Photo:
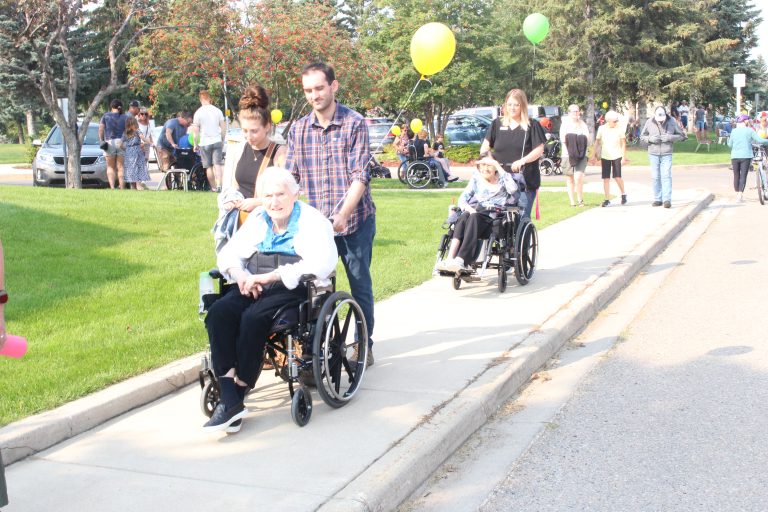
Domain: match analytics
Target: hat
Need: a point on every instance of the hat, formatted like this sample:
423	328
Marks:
134	103
742	118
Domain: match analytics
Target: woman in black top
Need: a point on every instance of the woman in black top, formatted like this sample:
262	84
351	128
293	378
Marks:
245	159
517	142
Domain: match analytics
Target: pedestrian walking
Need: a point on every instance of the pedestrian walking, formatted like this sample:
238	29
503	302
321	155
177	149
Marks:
611	149
136	172
741	140
111	129
145	131
517	142
684	111
328	153
210	141
659	133
575	137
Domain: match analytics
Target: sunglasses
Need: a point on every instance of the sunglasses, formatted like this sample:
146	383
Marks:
143	114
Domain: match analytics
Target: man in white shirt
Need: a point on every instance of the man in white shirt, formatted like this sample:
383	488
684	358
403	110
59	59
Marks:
210	140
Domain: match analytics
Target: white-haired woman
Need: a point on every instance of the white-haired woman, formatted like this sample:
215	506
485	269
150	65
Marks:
279	242
611	148
575	138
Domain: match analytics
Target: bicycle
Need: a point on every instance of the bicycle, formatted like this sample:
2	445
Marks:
758	164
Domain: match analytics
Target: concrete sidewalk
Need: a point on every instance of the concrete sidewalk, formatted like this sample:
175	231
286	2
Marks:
445	360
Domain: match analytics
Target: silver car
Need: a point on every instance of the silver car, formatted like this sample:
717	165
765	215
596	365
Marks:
48	164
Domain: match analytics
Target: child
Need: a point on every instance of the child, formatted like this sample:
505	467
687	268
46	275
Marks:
135	165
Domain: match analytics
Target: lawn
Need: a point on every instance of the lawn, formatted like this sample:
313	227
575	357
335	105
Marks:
13	154
684	153
104	283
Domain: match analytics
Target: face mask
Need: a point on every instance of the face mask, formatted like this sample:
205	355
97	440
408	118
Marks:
660	116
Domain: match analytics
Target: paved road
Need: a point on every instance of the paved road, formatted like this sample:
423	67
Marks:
674	418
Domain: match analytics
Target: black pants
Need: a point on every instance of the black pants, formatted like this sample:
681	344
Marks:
238	327
469	229
740	170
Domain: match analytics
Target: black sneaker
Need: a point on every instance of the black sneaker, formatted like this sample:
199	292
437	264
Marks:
234	428
656	203
606	203
667	204
223	417
624	199
452	179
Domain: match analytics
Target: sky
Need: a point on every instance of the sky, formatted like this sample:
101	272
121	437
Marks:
762	48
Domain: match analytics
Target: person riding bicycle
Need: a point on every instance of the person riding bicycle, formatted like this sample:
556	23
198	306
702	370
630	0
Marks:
741	140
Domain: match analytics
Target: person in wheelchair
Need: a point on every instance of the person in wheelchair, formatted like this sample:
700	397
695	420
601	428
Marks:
278	243
489	188
425	152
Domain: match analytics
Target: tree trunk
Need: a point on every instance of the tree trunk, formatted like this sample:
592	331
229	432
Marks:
31	131
20	127
74	148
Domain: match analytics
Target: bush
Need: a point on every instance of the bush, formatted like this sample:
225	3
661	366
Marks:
463	154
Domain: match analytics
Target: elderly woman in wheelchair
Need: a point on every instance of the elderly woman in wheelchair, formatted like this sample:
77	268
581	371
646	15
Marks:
488	212
267	258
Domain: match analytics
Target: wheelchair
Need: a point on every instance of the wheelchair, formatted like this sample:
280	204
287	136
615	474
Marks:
551	160
315	338
420	172
186	173
513	243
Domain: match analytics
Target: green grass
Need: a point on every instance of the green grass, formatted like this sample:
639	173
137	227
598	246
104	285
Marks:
684	154
13	154
395	184
104	283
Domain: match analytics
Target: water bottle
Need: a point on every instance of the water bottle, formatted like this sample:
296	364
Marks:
206	288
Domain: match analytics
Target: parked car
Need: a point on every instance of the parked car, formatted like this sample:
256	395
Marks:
379	135
551	112
463	129
48	164
489	112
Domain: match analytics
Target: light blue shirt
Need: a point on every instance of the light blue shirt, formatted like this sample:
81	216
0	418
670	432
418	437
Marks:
741	140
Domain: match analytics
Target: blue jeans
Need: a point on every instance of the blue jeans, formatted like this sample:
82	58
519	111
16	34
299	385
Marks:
526	201
356	251
661	177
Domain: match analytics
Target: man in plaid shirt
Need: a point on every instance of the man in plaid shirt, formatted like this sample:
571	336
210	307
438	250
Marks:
328	154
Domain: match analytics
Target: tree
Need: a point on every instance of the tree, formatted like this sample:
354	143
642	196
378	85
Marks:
44	40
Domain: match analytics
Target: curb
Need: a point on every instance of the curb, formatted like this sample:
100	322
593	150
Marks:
36	433
393	477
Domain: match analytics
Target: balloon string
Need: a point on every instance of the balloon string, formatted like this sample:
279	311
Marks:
533	72
402	109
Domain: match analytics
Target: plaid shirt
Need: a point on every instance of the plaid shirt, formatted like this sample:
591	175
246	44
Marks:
325	162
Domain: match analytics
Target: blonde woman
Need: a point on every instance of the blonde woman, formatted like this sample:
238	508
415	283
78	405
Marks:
575	138
517	142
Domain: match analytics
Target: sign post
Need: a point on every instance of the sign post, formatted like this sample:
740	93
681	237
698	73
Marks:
739	81
64	106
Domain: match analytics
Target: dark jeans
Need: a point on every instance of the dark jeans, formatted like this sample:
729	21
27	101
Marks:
740	170
526	201
469	229
238	327
356	252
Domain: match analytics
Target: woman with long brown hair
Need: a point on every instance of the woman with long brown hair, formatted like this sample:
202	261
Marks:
256	152
517	142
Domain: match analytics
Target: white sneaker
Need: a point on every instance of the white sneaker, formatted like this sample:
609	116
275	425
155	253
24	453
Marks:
454	265
740	197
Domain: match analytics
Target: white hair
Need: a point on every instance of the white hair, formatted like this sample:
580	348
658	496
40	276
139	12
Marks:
612	115
276	176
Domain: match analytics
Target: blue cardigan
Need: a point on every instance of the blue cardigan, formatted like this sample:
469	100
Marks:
741	140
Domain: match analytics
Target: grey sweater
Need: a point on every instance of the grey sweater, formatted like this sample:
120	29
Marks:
660	136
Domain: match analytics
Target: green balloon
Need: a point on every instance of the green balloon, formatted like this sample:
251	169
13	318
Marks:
536	27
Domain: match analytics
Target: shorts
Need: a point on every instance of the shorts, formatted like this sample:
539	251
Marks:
212	155
581	166
165	158
701	125
609	165
684	120
113	148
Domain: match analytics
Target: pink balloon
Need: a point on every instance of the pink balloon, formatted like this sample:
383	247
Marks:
15	346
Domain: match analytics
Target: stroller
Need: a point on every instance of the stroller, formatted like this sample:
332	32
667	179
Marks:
551	160
377	170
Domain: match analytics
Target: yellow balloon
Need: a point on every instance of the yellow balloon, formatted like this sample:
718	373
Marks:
276	115
416	125
605	104
432	48
395	130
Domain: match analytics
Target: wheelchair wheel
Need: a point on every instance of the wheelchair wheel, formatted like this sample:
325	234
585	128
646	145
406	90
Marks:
301	406
418	175
337	367
456	283
209	397
547	167
198	179
401	172
172	182
527	251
